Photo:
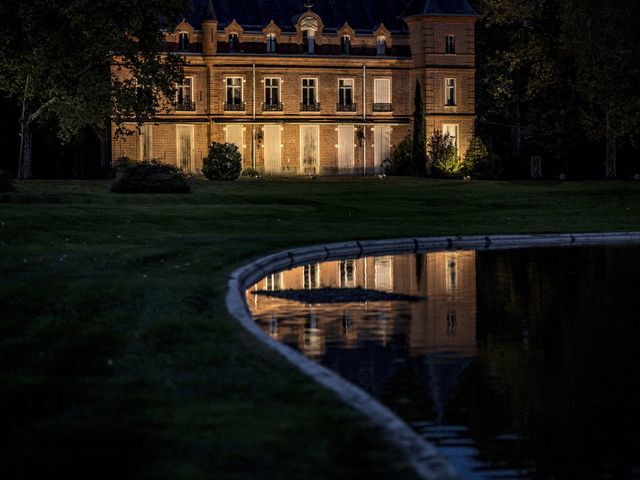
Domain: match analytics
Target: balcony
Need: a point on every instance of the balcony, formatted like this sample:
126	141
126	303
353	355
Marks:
310	107
382	107
272	107
235	106
185	106
346	107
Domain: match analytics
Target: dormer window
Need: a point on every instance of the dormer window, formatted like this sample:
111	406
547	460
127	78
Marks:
183	41
450	44
271	43
382	45
309	41
346	45
234	43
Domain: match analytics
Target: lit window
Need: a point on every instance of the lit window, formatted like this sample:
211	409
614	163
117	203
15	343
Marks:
382	45
311	276
309	40
272	92
450	131
450	91
346	45
271	42
347	273
273	282
183	41
234	90
450	44
184	95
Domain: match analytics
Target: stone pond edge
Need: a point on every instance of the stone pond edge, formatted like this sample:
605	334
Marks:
421	454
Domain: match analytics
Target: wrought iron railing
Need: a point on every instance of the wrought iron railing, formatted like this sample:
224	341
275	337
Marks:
235	106
346	107
272	107
310	107
382	107
185	106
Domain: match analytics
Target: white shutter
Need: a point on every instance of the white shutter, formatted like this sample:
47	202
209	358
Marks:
235	134
310	149
382	144
272	162
185	148
146	142
384	273
345	149
382	90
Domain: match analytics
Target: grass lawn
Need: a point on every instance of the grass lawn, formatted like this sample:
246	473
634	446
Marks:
118	359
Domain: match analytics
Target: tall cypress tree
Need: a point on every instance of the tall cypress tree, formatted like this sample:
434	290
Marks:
419	134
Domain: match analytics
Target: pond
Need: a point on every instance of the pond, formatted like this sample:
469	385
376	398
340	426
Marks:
515	363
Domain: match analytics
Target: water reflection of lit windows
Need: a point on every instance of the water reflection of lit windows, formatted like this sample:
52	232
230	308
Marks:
384	273
452	323
347	273
273	326
311	276
273	282
347	322
452	274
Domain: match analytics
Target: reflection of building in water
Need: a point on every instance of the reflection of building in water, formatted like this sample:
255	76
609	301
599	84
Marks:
444	322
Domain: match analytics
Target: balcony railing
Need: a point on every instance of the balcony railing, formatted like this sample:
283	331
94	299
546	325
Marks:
346	107
235	106
382	107
310	107
272	107
185	106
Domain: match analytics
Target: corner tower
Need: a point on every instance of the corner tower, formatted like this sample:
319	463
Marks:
442	37
209	30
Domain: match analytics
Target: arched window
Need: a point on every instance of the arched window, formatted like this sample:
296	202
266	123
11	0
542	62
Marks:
346	45
450	44
382	45
271	42
309	27
234	43
183	41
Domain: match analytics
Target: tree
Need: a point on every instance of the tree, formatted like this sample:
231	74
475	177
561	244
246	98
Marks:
84	63
605	45
419	134
441	154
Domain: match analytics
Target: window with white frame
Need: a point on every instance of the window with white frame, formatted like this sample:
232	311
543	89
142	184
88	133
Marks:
345	92
346	45
382	45
309	91
450	44
183	41
383	273
273	282
271	42
382	94
451	279
272	91
309	40
185	94
234	90
450	131
450	91
146	142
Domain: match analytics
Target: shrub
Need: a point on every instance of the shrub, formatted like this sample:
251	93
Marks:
122	163
401	162
6	182
251	172
479	162
151	177
441	155
223	162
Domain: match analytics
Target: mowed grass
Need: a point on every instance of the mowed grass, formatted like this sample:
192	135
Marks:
119	360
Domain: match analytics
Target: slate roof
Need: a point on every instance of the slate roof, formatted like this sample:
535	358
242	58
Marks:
364	15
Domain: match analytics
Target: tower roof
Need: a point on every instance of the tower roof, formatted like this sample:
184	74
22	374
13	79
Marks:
210	12
440	8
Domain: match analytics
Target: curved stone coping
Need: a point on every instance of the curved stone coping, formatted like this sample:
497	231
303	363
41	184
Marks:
422	455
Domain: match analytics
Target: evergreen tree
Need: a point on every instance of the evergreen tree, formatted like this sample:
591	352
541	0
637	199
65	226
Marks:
419	135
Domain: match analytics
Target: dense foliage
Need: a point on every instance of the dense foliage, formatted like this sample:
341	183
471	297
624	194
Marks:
442	158
151	177
6	182
223	162
56	60
479	162
401	162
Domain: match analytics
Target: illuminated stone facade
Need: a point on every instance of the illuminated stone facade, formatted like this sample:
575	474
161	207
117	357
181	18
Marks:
322	89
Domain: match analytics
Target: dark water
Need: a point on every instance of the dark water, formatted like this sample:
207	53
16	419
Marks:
517	364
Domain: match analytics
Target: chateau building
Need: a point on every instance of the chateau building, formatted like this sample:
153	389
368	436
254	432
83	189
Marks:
316	88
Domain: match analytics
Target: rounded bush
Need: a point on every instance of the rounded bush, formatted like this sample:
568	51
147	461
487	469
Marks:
151	177
223	162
